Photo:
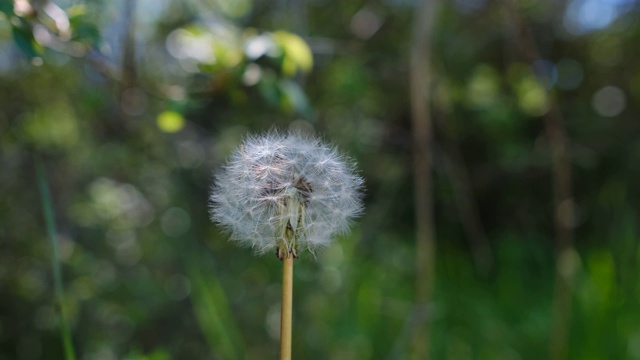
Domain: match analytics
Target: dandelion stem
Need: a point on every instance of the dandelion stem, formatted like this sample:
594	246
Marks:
287	305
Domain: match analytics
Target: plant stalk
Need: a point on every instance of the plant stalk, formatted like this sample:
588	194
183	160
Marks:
47	209
287	306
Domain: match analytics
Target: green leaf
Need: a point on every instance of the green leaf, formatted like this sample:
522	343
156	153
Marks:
297	54
268	88
83	30
24	40
6	7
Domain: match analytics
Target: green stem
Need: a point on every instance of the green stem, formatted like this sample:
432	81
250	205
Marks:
47	210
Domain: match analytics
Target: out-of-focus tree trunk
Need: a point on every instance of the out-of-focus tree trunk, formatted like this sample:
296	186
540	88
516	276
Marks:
563	203
420	89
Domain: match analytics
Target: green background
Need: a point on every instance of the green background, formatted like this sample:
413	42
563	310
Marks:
127	107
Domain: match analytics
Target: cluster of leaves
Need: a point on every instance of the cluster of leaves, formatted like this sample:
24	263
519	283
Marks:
241	60
39	25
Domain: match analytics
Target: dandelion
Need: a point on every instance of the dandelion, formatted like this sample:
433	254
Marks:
286	192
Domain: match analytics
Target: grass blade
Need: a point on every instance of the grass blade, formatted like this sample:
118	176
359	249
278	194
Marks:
47	210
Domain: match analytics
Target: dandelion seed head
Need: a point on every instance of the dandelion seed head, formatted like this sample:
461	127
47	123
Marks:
288	191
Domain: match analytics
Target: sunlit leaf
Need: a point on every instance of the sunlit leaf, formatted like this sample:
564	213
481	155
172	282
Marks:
297	54
170	121
209	48
228	55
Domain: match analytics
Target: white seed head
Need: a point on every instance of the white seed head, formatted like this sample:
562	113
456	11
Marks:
285	192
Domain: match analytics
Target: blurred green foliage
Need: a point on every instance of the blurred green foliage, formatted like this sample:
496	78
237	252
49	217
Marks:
132	113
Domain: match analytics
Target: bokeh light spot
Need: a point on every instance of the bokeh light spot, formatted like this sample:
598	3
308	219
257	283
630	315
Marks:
531	94
331	279
483	89
170	121
609	101
83	288
272	321
53	126
190	154
251	75
119	203
534	101
365	23
583	16
104	273
260	45
129	254
192	43
175	222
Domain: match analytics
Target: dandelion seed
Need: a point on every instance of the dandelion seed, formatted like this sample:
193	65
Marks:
286	193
